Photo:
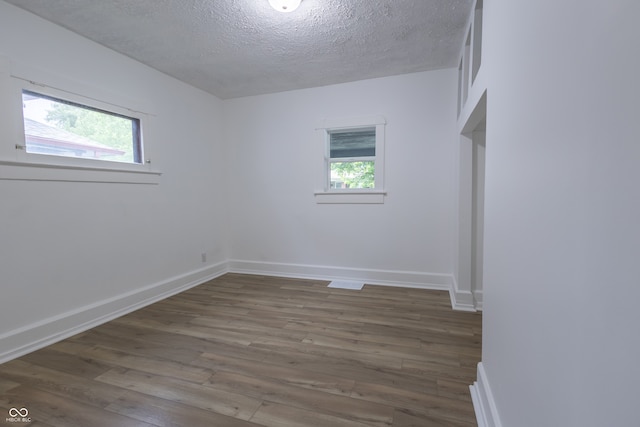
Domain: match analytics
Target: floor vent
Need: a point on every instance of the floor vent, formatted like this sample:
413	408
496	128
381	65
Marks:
343	284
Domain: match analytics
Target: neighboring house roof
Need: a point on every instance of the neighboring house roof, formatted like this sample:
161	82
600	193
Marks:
54	139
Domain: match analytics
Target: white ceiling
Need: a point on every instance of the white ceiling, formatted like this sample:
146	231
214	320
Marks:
234	48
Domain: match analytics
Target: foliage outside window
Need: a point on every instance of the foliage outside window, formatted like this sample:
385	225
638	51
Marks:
58	127
352	175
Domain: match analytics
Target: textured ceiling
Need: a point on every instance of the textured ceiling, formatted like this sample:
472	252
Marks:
234	48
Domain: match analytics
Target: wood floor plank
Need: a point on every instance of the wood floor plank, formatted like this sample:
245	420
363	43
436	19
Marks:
453	389
235	405
431	370
252	353
7	384
60	383
351	333
389	351
147	364
189	330
276	415
336	364
71	363
311	400
249	350
293	376
427	403
407	418
147	342
252	328
168	413
61	411
70	346
331	353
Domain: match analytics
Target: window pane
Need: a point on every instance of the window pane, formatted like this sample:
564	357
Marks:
352	174
62	128
353	143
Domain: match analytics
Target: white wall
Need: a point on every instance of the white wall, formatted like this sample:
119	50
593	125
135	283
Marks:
70	246
276	158
562	212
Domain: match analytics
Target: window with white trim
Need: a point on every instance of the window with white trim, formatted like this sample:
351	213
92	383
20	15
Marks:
68	131
354	160
59	127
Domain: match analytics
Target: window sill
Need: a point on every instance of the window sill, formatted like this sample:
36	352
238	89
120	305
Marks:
350	197
25	171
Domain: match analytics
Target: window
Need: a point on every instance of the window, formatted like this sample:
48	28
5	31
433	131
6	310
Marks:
352	158
354	161
58	127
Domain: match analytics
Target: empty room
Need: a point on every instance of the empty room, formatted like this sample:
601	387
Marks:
319	213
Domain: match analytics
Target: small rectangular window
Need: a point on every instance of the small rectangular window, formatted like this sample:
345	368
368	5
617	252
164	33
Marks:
58	127
352	158
353	169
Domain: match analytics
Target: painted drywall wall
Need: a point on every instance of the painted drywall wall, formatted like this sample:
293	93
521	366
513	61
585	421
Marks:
70	246
276	158
561	287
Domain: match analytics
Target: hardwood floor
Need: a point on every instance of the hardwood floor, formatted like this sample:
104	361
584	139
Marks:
244	351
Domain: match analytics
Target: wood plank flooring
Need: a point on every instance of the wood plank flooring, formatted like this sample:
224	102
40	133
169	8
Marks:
246	350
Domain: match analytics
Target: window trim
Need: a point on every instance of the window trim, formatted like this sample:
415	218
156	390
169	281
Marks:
136	133
17	164
328	195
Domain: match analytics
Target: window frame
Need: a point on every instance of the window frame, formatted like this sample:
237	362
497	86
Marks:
18	164
136	141
355	159
353	195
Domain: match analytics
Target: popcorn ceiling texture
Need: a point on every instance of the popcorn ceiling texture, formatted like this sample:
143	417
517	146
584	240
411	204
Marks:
235	48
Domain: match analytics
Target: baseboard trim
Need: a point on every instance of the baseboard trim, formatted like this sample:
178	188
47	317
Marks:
53	329
483	401
461	300
406	279
478	296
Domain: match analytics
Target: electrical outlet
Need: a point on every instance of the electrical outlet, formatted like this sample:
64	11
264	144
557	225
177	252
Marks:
204	257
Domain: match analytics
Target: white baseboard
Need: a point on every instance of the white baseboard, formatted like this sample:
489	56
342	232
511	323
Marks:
461	300
478	296
47	331
483	402
407	279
